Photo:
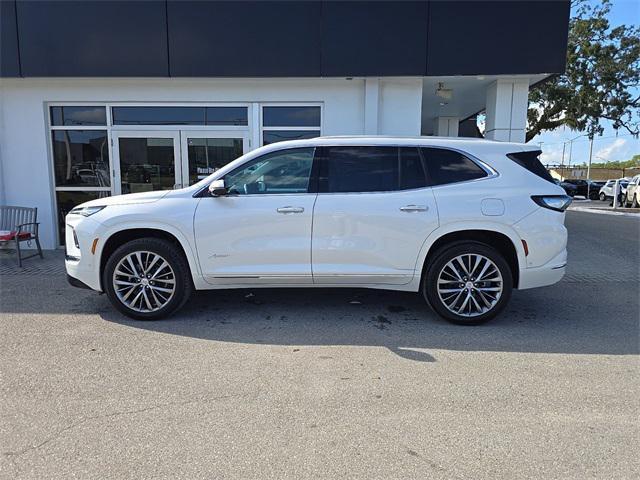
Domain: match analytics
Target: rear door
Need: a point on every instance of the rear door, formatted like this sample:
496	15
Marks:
372	215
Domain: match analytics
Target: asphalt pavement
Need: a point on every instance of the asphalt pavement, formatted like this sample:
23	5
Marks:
333	383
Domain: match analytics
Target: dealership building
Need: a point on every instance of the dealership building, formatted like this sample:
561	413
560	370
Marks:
103	98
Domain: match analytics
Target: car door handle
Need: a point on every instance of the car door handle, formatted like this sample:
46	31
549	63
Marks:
288	209
414	208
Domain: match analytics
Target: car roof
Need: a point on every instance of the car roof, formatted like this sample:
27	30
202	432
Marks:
461	143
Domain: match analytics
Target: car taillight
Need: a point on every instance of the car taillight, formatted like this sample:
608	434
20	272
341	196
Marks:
559	203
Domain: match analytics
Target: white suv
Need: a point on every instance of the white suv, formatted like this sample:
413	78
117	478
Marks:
462	221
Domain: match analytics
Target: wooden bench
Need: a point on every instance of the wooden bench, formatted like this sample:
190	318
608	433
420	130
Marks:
19	224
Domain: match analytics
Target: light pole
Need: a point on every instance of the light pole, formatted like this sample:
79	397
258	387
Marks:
571	146
589	169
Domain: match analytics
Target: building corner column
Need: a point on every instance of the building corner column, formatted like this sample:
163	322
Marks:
371	105
506	110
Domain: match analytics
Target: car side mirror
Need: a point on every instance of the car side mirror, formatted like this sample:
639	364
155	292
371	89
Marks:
217	188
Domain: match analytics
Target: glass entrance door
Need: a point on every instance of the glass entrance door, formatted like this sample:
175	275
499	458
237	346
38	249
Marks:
168	159
204	152
146	161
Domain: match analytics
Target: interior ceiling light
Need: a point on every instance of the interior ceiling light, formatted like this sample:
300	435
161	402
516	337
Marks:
444	93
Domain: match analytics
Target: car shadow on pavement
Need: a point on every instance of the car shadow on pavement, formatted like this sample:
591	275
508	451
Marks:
535	321
571	317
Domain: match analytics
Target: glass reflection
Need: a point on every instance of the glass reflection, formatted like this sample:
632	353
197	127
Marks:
67	200
81	158
146	164
206	155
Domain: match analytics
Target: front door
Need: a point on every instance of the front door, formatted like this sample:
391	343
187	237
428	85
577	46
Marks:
261	231
146	161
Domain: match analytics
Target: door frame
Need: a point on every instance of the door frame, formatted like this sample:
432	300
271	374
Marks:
185	134
117	134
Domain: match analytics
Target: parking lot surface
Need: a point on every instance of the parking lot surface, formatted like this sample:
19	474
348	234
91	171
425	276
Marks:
327	383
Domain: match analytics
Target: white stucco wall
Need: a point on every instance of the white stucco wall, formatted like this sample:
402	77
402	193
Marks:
25	170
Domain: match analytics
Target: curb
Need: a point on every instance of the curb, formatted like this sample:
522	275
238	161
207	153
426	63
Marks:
604	212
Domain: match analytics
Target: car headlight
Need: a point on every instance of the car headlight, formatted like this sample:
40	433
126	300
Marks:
86	211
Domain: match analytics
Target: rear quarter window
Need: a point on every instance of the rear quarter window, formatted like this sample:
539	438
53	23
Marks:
449	166
531	161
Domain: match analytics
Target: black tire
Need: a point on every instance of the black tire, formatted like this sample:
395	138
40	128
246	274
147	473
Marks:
634	203
438	262
603	197
172	255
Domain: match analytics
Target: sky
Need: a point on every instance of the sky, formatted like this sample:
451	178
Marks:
607	147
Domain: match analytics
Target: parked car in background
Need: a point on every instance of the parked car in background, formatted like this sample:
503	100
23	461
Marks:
569	188
632	195
586	188
461	221
607	189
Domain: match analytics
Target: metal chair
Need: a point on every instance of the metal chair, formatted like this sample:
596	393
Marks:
19	224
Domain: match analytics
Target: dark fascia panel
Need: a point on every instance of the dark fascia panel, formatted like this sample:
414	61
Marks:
498	37
9	58
244	38
362	38
93	38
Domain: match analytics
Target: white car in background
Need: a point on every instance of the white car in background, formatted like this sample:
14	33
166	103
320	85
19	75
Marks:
606	191
463	222
632	194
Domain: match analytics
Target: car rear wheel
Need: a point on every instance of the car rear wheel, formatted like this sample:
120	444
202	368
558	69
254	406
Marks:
634	203
147	279
467	283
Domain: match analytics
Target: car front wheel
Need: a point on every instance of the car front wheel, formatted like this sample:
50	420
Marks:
467	283
147	279
603	197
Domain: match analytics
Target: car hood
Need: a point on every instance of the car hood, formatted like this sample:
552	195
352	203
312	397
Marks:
131	198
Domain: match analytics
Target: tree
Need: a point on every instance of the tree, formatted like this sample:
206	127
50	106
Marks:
601	79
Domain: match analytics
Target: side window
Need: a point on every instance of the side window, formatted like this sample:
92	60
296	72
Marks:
285	171
412	173
362	169
448	166
355	169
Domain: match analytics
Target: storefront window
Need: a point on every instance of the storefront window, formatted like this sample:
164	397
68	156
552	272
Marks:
296	122
219	116
78	115
66	200
81	158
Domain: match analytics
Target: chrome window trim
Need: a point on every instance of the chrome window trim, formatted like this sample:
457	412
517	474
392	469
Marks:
488	169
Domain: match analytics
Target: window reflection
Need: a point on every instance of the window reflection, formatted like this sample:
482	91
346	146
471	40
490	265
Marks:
147	164
81	158
67	200
206	155
82	115
273	136
296	116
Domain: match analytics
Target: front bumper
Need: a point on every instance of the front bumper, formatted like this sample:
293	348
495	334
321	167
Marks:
81	264
76	283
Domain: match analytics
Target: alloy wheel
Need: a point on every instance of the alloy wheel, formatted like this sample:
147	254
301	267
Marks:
470	285
144	281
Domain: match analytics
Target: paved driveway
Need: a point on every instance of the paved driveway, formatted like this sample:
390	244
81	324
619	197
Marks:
333	383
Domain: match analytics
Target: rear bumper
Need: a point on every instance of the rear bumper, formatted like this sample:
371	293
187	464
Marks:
548	274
